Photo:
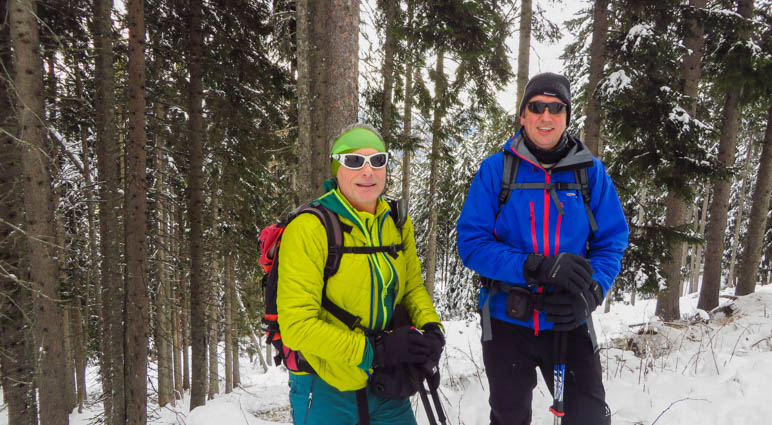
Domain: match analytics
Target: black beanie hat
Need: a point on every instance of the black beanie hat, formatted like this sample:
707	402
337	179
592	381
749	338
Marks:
548	84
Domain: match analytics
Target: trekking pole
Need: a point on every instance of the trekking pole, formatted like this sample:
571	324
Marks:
438	407
419	377
425	401
560	343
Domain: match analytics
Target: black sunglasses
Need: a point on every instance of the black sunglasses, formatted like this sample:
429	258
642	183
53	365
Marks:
554	107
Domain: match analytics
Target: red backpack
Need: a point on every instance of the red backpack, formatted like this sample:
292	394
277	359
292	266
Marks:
270	244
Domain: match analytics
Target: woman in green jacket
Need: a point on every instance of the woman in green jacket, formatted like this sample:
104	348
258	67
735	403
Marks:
368	286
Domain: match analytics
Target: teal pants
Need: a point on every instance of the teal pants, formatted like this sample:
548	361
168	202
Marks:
315	402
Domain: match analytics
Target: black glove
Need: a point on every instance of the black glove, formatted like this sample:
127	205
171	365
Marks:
567	271
568	311
431	370
403	345
433	333
434	380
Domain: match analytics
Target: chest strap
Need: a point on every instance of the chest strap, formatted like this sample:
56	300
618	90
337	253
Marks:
392	250
581	178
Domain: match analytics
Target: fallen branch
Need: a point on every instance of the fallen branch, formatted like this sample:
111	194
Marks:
760	341
673	404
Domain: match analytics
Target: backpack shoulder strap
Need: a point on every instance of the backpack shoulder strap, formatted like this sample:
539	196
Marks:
398	212
508	176
335	250
399	215
583	180
334	229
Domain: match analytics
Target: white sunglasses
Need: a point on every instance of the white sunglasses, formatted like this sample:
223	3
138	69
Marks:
355	161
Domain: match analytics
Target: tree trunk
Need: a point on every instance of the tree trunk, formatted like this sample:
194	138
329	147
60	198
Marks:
164	332
36	166
694	39
597	61
235	320
407	144
757	222
59	192
137	316
107	151
177	335
341	93
79	341
175	243
213	294
327	82
184	297
523	51
69	359
81	298
741	196
227	299
668	300
697	268
692	252
236	310
16	367
767	269
196	185
306	147
316	61
236	372
439	111
711	281
389	49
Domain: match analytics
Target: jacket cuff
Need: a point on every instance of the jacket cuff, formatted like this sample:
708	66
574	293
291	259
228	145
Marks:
434	327
530	268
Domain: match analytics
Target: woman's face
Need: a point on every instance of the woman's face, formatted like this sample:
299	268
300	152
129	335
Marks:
362	187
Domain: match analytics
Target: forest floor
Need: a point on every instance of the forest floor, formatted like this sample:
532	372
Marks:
703	370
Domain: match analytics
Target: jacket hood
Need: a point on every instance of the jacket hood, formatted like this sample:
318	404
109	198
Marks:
578	156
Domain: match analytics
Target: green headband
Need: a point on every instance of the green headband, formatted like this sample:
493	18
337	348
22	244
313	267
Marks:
353	140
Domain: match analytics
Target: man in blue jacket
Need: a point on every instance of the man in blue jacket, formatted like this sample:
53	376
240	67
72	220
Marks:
547	254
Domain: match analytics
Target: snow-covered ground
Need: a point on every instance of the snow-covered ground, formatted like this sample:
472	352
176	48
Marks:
709	372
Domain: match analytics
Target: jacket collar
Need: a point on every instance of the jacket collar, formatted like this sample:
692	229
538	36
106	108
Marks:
579	156
337	203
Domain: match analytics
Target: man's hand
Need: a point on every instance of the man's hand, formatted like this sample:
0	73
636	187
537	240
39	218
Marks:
567	271
568	311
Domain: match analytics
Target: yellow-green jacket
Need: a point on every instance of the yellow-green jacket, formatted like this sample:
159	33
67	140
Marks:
366	285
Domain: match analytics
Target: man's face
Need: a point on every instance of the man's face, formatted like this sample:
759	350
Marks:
544	129
362	187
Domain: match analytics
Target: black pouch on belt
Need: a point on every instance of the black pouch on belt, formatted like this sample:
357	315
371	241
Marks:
520	303
396	383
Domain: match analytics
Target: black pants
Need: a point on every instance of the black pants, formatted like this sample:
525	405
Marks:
511	359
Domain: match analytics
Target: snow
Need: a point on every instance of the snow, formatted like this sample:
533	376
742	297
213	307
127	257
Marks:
636	35
617	82
714	372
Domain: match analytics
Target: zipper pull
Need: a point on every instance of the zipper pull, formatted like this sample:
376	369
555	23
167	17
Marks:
310	398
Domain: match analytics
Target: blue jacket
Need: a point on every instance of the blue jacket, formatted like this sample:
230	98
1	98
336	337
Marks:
496	243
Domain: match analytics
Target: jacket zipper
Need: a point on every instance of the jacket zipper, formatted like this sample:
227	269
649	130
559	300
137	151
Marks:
547	217
533	231
557	232
310	399
380	281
